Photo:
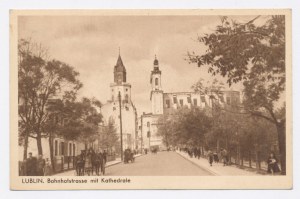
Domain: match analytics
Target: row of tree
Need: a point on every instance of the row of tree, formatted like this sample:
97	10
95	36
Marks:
48	105
252	53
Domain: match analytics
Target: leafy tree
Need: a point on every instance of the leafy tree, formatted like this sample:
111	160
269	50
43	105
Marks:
72	120
108	136
184	127
255	55
39	80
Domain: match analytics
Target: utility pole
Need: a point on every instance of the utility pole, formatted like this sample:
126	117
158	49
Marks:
121	134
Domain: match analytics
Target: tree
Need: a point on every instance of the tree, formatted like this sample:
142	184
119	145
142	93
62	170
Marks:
255	55
184	127
72	120
39	80
108	136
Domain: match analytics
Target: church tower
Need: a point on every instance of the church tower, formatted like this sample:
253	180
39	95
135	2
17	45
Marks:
120	84
119	71
156	95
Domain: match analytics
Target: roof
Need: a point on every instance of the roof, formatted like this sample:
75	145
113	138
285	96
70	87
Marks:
119	65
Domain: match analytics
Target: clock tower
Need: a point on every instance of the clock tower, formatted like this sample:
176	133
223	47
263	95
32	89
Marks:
120	85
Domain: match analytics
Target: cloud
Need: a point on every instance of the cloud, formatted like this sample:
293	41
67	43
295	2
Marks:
90	44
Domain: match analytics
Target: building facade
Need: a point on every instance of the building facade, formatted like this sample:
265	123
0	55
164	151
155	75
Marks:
166	103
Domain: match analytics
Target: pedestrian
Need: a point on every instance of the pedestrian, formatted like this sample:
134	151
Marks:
88	162
224	155
48	168
104	156
40	165
216	157
273	167
198	152
210	157
31	165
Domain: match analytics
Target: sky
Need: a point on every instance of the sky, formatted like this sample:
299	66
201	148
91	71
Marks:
91	45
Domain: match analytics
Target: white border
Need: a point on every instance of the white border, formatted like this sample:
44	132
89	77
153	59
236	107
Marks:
88	4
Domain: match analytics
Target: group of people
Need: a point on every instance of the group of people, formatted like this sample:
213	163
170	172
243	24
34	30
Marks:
90	161
129	155
214	156
35	166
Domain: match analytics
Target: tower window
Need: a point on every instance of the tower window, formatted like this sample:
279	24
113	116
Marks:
126	98
168	103
156	81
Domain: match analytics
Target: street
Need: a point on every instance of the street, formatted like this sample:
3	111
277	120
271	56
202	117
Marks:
160	164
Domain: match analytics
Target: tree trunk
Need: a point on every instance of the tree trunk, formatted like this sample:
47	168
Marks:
39	144
51	152
242	160
250	163
282	145
25	147
218	145
256	160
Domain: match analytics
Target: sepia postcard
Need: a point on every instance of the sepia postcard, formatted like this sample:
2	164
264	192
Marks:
150	99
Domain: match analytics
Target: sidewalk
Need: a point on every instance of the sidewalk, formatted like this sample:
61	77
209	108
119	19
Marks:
108	164
218	168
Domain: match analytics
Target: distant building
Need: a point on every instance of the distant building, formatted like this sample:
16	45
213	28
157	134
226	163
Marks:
165	103
112	108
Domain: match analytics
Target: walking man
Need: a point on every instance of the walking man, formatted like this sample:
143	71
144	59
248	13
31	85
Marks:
31	165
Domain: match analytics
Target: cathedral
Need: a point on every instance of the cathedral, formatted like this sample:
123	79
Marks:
121	92
164	103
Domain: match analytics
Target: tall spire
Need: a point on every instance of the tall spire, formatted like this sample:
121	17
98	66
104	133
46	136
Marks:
119	70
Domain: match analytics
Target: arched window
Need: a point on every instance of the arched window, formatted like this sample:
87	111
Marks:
156	81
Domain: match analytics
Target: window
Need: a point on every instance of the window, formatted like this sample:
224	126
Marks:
148	124
222	98
70	149
55	148
156	81
112	98
126	98
202	99
74	150
114	108
228	100
181	102
126	89
168	103
195	102
189	99
62	148
175	100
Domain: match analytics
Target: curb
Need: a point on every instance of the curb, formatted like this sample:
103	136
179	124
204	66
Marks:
208	170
